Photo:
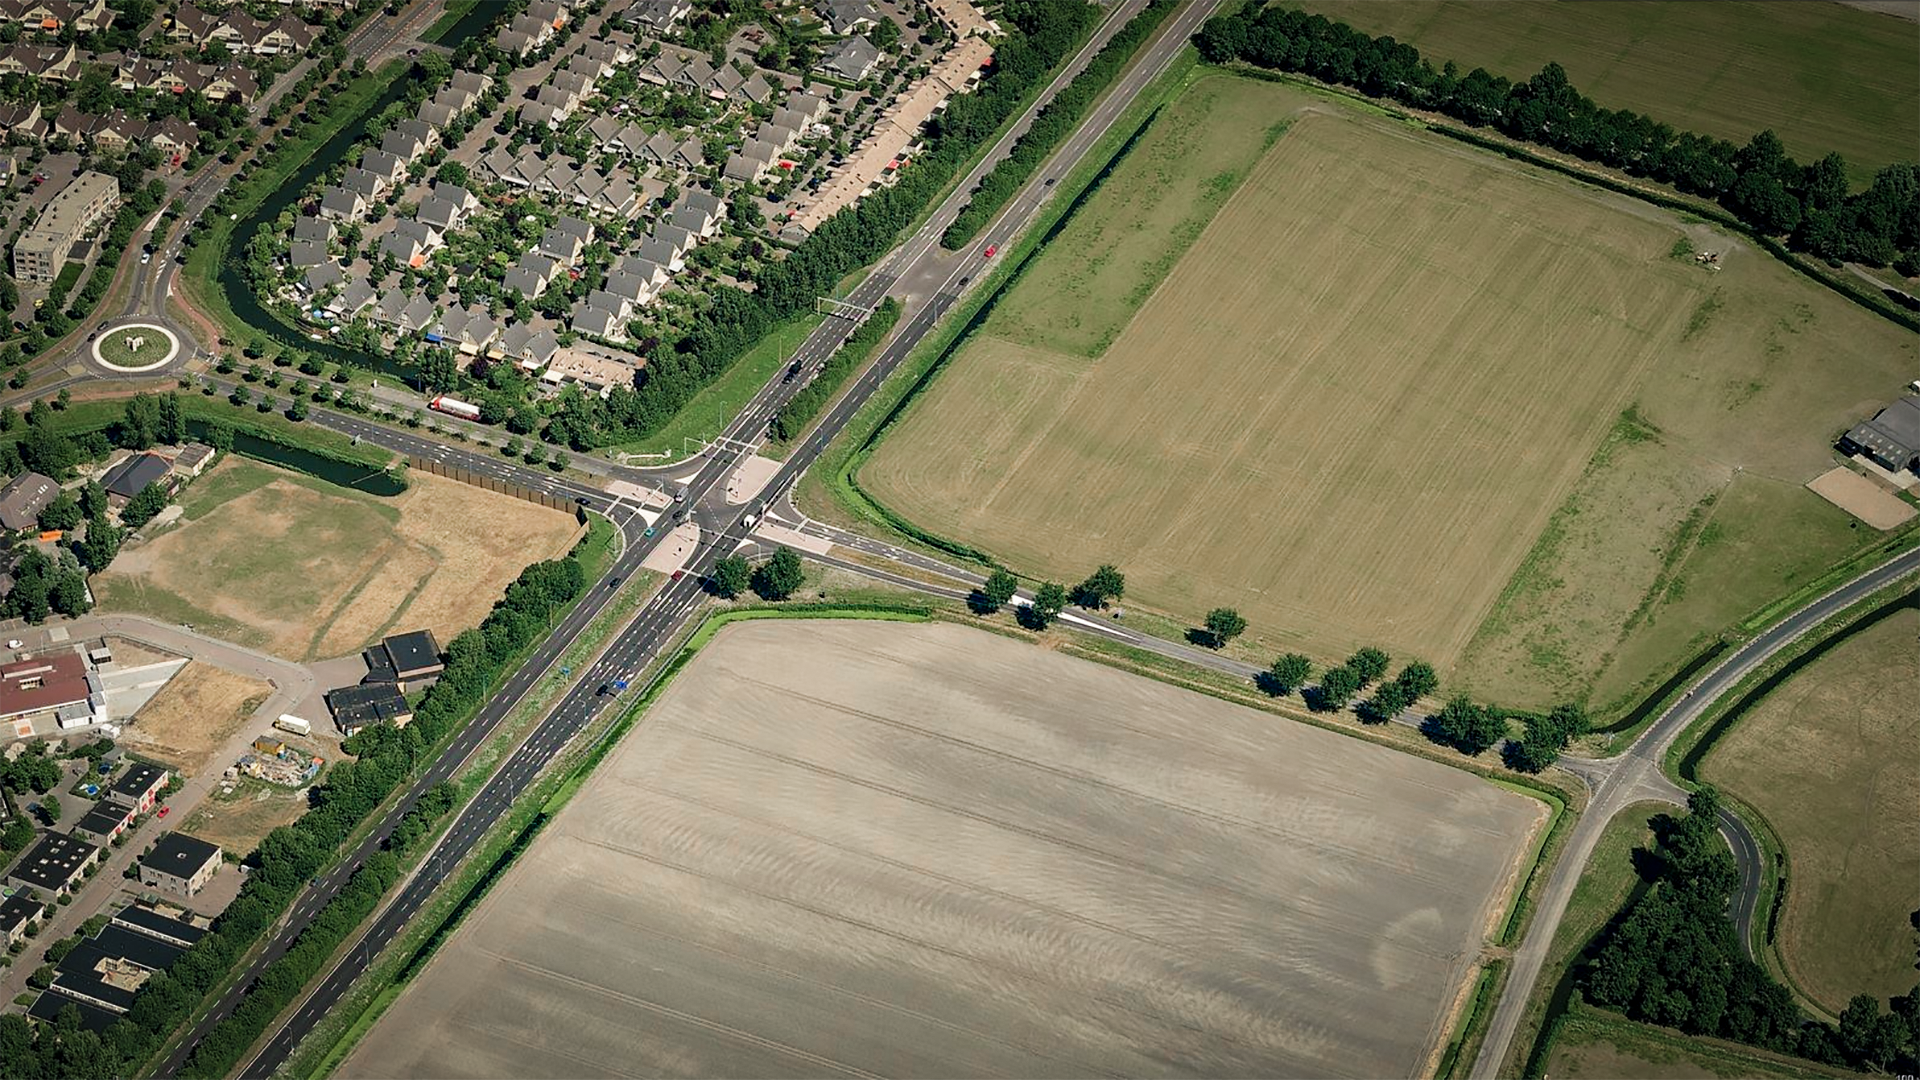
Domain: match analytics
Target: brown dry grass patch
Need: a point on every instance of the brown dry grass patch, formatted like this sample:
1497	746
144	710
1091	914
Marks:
193	715
238	822
307	570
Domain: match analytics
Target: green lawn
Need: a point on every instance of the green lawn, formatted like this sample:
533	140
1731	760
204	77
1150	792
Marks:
714	407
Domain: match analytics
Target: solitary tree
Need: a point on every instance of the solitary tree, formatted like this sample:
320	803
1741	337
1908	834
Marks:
731	576
780	576
1102	586
1223	625
992	596
1287	673
1048	601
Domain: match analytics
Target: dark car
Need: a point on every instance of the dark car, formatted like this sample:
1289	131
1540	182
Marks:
613	583
605	689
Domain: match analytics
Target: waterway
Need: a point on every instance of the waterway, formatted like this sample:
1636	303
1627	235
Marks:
347	474
232	278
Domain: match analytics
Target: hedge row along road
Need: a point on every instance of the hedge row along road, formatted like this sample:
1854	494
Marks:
927	282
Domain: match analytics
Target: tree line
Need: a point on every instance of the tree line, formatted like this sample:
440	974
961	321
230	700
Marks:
1052	124
291	855
804	405
1042	33
1759	182
1676	960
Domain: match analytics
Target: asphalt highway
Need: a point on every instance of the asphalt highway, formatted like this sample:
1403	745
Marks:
928	281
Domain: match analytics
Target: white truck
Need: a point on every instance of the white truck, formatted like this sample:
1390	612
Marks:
455	407
295	724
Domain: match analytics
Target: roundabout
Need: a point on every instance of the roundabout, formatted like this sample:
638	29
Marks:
135	348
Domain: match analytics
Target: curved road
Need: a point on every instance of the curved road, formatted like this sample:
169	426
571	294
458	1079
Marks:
1637	772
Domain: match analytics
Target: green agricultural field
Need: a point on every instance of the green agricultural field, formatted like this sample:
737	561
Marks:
1824	76
1379	340
1832	758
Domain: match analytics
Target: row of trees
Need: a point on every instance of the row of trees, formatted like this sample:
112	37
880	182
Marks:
1043	33
1676	960
803	406
291	855
1758	182
1051	125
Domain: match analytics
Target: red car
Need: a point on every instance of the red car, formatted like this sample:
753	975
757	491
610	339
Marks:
163	812
678	574
991	248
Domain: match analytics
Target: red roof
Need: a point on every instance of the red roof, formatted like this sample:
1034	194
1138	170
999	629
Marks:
44	682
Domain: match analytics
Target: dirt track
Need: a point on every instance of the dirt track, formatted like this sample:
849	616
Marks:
923	850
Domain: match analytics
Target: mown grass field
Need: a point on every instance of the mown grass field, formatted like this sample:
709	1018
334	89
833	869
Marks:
1823	76
1399	392
1832	758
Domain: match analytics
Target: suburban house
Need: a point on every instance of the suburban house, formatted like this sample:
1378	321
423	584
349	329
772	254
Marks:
139	787
845	17
530	276
24	497
853	60
179	864
340	204
53	867
531	349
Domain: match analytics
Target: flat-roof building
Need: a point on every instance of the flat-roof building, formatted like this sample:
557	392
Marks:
139	787
356	707
41	251
24	497
53	866
412	657
60	684
105	821
180	864
17	912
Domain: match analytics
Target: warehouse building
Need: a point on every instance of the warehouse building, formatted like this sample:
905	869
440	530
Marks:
357	707
412	660
62	686
1891	439
24	497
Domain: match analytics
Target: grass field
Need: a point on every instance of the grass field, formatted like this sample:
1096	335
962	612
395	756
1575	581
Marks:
193	715
239	820
1823	76
1832	758
847	846
1604	1047
307	570
1383	338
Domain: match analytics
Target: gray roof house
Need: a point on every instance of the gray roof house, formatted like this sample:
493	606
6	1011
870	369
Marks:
854	60
526	346
418	315
442	214
655	250
341	204
323	277
440	114
401	145
751	161
368	185
599	322
848	16
352	300
304	253
385	164
312	228
531	275
680	239
566	247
